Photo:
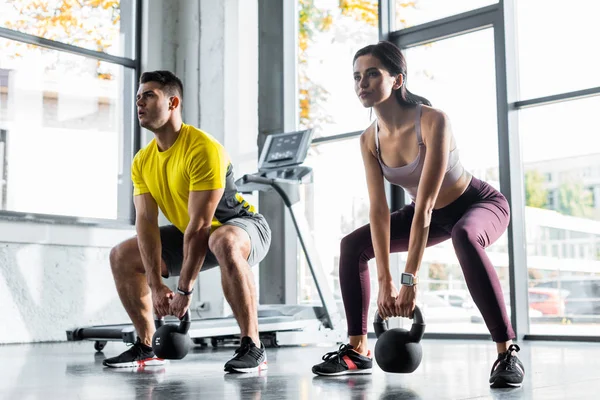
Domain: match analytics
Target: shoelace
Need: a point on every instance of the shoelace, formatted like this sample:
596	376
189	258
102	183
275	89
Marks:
508	358
245	349
344	348
136	348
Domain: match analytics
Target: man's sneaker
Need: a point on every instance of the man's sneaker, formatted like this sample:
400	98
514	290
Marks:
137	356
248	358
508	370
344	361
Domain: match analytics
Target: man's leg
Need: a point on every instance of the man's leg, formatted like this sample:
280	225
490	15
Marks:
231	246
130	279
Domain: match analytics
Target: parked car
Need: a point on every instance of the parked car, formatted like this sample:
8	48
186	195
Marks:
549	301
436	309
583	294
455	297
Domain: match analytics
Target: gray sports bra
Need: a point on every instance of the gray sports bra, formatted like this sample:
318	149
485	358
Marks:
408	176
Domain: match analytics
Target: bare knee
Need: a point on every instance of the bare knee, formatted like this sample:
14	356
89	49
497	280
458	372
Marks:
125	258
229	247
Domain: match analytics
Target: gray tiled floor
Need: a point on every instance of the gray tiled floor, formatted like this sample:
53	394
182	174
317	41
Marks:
450	370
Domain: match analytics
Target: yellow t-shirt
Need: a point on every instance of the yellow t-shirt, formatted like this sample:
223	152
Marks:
195	162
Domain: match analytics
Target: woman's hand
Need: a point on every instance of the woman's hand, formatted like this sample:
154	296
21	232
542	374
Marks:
406	301
386	299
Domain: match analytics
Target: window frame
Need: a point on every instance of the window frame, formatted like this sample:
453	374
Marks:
131	130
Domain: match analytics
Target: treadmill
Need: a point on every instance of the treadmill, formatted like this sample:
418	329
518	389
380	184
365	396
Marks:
280	169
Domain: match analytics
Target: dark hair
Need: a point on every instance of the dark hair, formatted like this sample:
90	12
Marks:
394	62
170	84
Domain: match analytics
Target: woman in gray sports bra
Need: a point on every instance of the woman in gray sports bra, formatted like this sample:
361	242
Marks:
410	144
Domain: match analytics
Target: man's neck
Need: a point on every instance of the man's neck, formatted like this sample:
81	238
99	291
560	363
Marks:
167	134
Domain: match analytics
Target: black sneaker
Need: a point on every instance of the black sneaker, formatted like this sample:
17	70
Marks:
138	355
508	370
248	358
344	361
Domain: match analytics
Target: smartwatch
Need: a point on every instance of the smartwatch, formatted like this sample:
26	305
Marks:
408	279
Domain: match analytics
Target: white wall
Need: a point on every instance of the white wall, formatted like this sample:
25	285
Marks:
55	277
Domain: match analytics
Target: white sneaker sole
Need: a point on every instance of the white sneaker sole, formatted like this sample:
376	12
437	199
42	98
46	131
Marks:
261	367
506	385
500	383
365	371
141	363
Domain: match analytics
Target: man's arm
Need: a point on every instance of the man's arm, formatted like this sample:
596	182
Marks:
201	209
146	225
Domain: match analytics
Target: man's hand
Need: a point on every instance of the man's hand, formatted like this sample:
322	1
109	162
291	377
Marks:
161	296
180	304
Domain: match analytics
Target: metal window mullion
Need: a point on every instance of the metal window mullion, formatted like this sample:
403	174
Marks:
445	28
385	14
556	98
510	168
59	46
136	139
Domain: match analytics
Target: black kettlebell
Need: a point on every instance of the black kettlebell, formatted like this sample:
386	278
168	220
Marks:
171	341
398	350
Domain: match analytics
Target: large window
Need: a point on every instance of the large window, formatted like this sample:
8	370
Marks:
408	13
337	203
101	25
330	33
458	76
66	119
557	47
465	65
465	89
563	235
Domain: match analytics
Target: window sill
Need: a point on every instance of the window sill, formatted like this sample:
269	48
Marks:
61	230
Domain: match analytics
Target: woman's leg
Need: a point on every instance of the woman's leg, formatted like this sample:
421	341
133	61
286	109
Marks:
356	250
481	225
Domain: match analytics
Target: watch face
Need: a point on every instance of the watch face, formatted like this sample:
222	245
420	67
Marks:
406	279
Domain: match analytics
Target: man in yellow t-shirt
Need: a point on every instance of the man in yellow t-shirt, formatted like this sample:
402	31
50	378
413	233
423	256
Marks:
188	175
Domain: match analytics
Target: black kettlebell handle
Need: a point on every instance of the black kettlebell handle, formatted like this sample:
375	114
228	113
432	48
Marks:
416	331
184	323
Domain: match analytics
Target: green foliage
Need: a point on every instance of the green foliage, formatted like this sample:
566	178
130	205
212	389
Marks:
535	194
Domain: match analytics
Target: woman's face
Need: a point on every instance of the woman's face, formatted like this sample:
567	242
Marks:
372	82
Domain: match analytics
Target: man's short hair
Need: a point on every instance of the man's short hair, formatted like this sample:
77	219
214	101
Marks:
170	83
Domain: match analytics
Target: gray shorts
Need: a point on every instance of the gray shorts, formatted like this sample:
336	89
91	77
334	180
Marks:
256	226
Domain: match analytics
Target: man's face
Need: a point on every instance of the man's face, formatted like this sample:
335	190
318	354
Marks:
154	107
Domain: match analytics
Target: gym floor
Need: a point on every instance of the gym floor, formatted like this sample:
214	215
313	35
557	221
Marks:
450	369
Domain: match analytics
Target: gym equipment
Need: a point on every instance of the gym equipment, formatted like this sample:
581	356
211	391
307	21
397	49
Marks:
280	169
171	341
398	350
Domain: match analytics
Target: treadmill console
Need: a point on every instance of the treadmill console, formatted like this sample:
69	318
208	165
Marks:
284	150
280	164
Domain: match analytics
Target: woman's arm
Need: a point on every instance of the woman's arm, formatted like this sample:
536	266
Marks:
379	212
437	138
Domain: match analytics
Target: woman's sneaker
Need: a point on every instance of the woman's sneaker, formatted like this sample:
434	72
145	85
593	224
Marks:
344	361
508	370
139	355
248	358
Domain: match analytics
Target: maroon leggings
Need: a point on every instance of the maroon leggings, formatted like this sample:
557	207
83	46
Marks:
473	221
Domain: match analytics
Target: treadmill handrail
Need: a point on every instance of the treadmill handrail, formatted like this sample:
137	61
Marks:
331	314
273	182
